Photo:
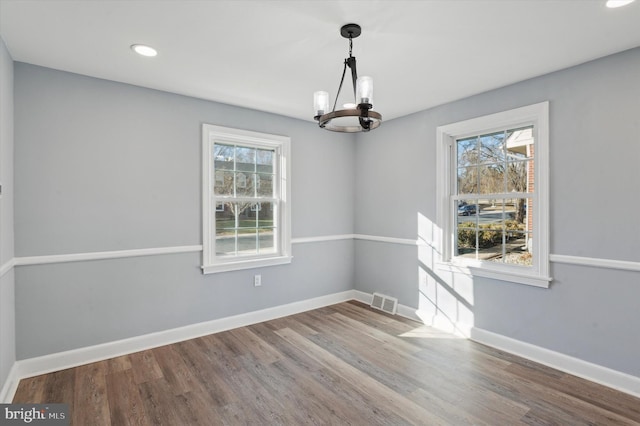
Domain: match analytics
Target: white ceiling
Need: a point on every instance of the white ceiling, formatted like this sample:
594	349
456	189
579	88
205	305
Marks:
272	55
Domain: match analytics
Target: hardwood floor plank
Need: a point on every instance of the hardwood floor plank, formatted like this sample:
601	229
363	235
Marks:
209	378
300	323
341	364
290	352
175	371
144	366
125	404
374	363
548	403
599	395
120	363
159	404
447	410
90	395
298	399
199	409
407	409
262	409
30	389
253	344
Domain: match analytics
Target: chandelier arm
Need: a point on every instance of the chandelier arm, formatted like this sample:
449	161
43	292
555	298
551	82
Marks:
344	71
351	62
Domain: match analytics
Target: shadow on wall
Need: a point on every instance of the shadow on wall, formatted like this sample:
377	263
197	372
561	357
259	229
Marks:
445	296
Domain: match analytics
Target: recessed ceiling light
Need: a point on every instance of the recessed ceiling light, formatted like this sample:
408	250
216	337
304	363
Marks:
618	3
143	50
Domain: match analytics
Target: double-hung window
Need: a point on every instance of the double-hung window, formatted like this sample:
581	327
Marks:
246	206
493	194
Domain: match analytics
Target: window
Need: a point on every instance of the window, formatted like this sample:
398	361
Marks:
493	195
246	210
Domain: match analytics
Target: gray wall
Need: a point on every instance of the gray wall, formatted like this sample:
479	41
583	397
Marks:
589	313
106	166
7	308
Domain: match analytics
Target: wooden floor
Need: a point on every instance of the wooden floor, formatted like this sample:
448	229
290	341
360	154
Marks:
343	364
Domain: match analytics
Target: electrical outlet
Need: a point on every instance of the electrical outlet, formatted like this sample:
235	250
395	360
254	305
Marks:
257	280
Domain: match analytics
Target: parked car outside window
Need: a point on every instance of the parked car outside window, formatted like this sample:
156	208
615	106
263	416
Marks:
467	210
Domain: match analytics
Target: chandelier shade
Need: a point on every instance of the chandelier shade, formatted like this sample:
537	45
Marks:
356	117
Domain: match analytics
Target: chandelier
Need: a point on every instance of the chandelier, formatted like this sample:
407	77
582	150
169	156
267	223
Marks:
356	117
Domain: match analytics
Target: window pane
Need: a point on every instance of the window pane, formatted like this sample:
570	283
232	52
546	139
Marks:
518	207
247	241
467	152
493	211
467	241
520	144
223	156
264	185
226	242
266	241
517	250
245	159
514	250
467	180
265	215
225	230
520	176
223	184
491	179
246	218
467	208
492	148
244	184
225	218
264	159
490	236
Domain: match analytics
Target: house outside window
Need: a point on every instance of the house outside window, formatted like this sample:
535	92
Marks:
493	189
246	209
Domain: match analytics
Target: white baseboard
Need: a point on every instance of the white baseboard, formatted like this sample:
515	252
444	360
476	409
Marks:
75	357
402	310
444	323
363	297
10	385
440	322
605	376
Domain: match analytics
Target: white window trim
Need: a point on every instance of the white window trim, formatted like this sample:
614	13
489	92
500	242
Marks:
282	144
536	115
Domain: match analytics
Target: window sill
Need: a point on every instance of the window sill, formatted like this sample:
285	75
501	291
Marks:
502	275
246	264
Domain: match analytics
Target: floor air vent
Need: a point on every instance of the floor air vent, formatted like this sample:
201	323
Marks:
384	303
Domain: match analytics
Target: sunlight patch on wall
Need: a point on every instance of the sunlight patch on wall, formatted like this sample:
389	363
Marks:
445	298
